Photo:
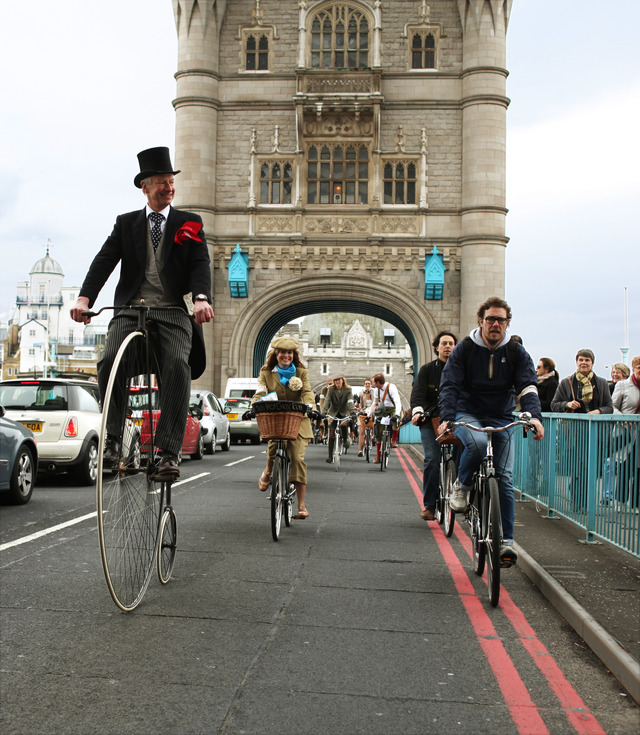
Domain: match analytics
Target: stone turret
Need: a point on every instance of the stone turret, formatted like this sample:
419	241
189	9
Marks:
197	102
484	103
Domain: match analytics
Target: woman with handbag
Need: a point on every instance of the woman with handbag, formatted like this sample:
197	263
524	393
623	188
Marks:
284	375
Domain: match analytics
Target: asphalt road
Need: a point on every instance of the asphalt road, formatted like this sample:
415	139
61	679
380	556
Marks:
361	619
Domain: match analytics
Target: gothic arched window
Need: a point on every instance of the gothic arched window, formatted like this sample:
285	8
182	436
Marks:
340	38
338	174
257	53
276	181
399	182
423	51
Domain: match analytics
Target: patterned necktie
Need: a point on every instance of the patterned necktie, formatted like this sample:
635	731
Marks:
156	231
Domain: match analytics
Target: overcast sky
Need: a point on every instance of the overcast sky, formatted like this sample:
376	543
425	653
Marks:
86	85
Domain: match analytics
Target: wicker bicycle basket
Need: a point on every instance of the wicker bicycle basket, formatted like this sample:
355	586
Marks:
279	419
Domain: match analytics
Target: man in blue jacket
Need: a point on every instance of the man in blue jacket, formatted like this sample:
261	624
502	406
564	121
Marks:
478	386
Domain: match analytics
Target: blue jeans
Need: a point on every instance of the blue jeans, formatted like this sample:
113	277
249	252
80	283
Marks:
475	450
431	472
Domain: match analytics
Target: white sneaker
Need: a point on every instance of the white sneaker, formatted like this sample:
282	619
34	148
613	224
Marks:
459	498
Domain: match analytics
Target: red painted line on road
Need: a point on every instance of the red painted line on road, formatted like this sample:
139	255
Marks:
523	710
578	714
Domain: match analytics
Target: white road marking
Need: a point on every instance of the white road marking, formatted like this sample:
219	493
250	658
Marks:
74	521
238	461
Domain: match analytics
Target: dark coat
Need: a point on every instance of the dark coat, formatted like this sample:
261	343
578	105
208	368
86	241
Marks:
424	394
570	388
546	391
185	267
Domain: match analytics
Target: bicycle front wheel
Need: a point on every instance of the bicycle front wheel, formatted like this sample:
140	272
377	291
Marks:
278	488
384	451
288	504
476	519
493	539
448	516
367	444
128	498
337	449
167	543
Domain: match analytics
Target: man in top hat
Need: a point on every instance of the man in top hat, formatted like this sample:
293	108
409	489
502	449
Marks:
163	258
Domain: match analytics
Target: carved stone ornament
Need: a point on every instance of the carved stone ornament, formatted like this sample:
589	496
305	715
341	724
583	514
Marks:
344	125
275	224
399	224
356	336
337	224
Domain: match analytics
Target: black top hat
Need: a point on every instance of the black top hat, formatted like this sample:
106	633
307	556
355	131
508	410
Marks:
153	161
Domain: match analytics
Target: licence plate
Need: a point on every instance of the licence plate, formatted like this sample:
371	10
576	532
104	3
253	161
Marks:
232	416
33	425
138	421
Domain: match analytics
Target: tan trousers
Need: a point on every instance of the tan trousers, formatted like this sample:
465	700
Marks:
296	449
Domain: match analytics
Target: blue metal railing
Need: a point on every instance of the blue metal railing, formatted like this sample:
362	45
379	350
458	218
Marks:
586	469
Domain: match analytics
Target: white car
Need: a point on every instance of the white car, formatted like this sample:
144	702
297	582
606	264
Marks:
214	422
64	416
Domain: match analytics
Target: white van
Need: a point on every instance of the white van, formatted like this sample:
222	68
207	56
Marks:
241	387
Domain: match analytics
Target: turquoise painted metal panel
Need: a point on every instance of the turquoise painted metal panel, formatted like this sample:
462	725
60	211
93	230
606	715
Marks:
586	469
434	275
409	434
239	274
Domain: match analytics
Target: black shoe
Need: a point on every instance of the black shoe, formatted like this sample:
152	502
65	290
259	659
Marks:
111	454
168	468
329	460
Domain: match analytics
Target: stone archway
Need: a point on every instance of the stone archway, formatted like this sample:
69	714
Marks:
261	318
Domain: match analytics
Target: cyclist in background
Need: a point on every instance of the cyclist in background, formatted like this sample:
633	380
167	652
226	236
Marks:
424	408
477	387
364	401
387	397
338	402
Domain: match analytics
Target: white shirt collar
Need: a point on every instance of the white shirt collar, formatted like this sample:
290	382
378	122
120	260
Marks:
164	212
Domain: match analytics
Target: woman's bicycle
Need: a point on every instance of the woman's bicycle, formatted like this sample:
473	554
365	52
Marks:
280	421
483	513
136	523
339	447
368	437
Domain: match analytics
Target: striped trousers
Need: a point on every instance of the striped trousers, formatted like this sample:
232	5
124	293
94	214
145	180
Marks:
170	334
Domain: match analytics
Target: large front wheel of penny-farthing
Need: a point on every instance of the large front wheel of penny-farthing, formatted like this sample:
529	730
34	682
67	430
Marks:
167	543
128	498
278	489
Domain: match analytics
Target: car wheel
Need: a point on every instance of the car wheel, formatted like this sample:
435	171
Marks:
199	453
255	440
210	448
23	476
87	471
226	444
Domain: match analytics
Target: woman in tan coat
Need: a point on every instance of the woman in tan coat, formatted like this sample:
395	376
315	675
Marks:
284	374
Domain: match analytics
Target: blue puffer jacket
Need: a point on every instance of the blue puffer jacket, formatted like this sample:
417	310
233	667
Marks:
485	385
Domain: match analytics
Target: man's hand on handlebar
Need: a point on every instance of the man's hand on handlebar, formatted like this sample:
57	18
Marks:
82	304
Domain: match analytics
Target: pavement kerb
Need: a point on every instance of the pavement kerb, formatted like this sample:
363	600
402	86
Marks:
617	660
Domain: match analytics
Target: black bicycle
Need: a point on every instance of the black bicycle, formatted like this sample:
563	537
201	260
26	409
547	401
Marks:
483	513
280	421
448	475
137	525
385	442
368	437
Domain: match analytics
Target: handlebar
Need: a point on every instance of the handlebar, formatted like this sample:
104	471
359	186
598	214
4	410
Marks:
524	420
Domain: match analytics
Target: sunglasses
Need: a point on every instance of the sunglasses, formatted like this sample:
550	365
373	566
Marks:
496	319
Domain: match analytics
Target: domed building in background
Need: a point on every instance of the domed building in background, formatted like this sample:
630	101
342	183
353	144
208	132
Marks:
42	339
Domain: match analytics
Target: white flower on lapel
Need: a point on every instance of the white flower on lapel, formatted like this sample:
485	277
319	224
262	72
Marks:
295	383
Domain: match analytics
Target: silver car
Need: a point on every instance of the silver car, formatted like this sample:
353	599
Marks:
214	422
241	429
18	460
64	416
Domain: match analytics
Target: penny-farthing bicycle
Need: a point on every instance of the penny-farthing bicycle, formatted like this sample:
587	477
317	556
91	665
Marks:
136	523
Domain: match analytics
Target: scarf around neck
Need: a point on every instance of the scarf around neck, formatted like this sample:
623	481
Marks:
286	373
587	387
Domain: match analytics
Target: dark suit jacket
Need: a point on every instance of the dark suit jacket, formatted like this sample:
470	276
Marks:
185	267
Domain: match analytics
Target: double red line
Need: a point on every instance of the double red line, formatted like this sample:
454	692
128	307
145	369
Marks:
524	712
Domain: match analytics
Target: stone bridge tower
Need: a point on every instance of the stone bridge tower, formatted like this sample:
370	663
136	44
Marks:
345	155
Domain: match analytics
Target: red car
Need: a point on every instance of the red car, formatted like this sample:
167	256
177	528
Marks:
193	441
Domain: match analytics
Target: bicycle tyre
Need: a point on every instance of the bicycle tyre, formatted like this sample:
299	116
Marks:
478	530
167	544
277	491
337	449
448	516
128	498
384	450
493	539
367	444
289	512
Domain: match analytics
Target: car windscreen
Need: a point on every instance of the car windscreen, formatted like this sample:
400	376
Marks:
36	394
